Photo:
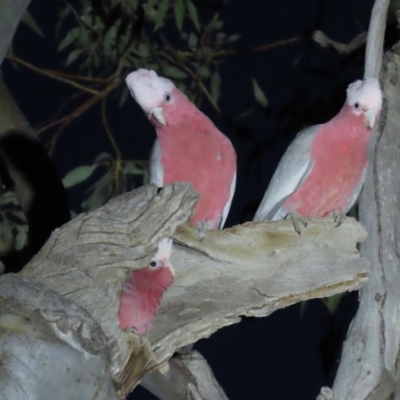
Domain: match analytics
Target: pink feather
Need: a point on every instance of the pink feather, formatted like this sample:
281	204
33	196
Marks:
143	290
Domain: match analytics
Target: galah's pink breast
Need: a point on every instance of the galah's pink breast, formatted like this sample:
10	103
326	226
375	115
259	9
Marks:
340	155
201	155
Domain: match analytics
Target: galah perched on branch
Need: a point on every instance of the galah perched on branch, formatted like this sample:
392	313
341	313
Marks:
142	291
323	170
189	147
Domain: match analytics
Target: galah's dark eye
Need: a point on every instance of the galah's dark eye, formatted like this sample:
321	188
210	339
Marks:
153	264
167	97
356	105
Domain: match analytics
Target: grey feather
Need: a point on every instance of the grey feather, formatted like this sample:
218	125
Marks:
228	204
156	169
292	170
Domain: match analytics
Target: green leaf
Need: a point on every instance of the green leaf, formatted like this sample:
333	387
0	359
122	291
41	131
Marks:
332	302
28	19
179	12
21	239
73	56
78	175
233	38
94	201
150	4
216	86
173	72
124	96
193	40
259	94
103	157
71	36
161	12
193	14
6	231
8	198
131	168
22	218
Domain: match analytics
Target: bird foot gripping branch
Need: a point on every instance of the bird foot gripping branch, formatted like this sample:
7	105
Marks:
298	222
324	167
189	147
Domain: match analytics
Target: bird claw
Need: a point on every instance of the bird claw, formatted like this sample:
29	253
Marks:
338	217
297	222
202	227
185	349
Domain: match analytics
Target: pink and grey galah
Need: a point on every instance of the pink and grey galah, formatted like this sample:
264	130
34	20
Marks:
143	290
189	148
323	169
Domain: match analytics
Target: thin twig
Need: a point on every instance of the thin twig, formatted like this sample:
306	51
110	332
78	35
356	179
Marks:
52	75
108	129
263	47
179	60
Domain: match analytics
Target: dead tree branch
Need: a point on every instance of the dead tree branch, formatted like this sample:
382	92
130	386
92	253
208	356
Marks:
252	269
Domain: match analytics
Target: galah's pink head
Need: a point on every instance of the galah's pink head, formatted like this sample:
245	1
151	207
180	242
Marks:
143	290
157	96
365	98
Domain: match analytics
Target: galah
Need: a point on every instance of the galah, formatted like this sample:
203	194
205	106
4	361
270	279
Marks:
189	148
143	290
323	169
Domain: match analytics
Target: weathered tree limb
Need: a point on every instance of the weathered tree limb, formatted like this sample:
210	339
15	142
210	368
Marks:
369	364
44	335
188	377
10	14
252	269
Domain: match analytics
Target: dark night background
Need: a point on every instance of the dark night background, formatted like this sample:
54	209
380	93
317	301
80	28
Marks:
288	355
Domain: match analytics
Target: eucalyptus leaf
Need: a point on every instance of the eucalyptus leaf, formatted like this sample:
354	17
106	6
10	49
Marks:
216	86
124	96
102	157
94	201
150	4
69	38
131	168
28	19
193	14
8	198
21	239
332	302
21	216
233	38
173	72
259	94
6	231
78	175
161	12
73	56
179	12
193	40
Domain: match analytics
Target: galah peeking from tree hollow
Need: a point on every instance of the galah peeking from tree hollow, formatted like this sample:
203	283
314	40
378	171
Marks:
189	148
143	290
323	169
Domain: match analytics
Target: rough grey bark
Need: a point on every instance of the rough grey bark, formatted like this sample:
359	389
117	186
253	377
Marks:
188	377
11	12
39	328
252	269
369	364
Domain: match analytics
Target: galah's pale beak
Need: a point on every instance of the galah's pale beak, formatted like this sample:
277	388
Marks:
172	269
370	117
158	115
